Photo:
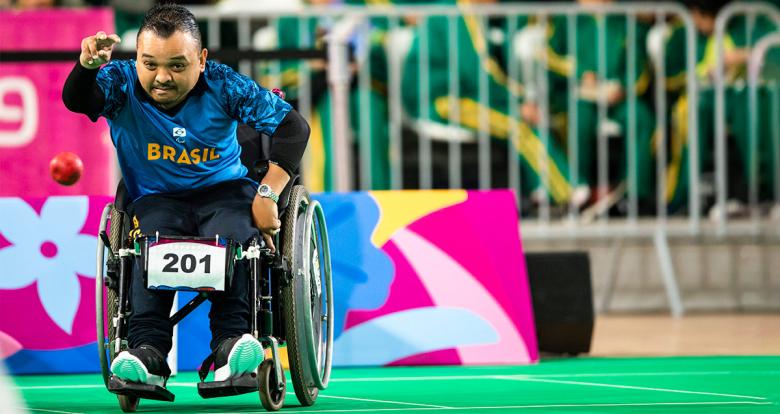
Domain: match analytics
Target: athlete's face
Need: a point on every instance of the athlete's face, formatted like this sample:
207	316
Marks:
168	68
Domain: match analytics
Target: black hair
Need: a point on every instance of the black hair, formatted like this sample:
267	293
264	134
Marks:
166	18
707	7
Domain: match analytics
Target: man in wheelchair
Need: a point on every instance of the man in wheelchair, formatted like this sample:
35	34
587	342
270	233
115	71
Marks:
173	117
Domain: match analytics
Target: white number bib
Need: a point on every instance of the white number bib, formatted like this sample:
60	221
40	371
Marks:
183	265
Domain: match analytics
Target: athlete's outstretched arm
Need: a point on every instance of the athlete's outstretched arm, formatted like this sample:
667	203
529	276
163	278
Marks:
81	92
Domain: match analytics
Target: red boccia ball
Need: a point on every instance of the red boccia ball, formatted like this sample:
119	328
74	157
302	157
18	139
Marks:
66	168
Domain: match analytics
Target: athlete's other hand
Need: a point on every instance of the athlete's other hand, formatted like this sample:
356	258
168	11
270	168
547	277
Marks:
265	214
96	50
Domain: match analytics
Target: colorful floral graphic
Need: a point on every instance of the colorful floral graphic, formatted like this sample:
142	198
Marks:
420	277
48	271
361	271
8	345
459	293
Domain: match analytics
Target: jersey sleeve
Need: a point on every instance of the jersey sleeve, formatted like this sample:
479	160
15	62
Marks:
113	82
253	105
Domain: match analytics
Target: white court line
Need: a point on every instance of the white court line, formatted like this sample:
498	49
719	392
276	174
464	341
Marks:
601	374
49	411
385	401
420	378
653	374
452	378
55	387
629	387
521	407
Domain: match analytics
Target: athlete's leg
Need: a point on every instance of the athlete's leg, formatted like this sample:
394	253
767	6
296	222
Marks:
149	321
149	327
226	210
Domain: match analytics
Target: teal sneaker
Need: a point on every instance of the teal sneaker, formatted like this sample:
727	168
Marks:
145	365
237	356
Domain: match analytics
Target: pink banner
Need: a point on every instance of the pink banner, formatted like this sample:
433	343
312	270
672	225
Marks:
34	124
419	277
47	251
429	278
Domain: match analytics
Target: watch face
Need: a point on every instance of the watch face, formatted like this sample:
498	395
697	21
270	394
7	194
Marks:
263	190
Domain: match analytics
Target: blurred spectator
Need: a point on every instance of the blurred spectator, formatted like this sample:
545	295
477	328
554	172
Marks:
34	4
504	98
369	51
736	54
128	15
612	88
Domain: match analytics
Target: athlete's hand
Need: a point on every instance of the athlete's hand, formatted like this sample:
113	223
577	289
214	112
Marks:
96	50
265	214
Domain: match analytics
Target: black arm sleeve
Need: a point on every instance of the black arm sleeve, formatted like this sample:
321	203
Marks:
289	142
82	94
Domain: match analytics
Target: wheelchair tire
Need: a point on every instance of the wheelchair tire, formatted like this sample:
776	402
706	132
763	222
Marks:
106	299
298	304
108	304
127	403
272	399
292	233
115	238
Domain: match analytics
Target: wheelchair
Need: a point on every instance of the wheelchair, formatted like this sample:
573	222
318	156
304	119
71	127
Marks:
292	291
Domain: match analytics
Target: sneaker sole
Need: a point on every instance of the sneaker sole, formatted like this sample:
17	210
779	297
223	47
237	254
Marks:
130	368
245	357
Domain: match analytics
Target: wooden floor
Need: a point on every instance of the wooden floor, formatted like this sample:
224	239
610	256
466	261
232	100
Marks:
707	334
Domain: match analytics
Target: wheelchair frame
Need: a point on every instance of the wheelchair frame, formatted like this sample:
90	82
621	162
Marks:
293	283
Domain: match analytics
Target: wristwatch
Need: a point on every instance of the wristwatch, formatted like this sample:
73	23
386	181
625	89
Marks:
265	191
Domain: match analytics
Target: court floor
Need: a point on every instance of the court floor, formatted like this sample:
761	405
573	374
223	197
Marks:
741	384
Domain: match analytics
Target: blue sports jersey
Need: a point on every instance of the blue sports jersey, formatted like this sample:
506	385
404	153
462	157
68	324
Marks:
194	147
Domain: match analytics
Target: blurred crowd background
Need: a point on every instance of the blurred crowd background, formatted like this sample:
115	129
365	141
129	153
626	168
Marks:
527	117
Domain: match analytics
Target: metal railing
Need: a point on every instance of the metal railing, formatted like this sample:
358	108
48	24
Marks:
755	64
545	222
550	222
751	11
567	226
341	172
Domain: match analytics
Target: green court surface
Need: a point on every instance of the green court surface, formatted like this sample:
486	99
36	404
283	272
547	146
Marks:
577	385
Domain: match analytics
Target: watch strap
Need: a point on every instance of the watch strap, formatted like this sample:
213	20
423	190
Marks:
265	191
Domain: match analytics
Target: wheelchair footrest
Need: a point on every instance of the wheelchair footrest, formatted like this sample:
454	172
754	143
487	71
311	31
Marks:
133	389
244	384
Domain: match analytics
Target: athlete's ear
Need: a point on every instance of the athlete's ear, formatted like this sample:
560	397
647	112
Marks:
203	54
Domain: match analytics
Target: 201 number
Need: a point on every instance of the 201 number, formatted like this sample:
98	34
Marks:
188	263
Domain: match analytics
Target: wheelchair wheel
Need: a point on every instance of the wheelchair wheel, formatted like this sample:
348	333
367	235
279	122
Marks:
112	302
106	299
307	300
108	305
271	398
127	403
